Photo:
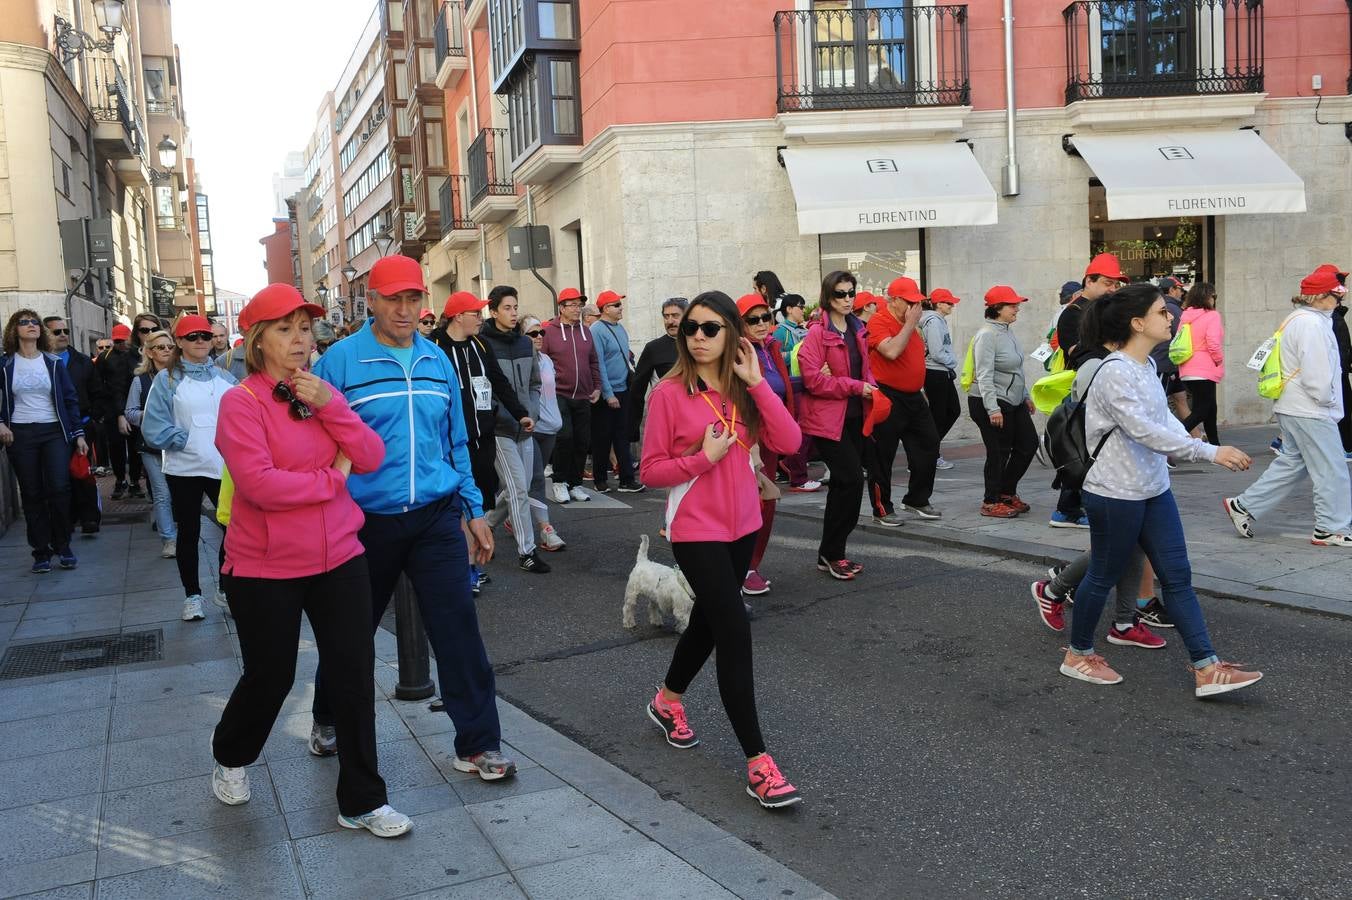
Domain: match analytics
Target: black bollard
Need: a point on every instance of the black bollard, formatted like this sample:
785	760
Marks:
415	682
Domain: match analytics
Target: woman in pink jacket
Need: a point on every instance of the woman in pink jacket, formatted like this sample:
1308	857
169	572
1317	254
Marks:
290	441
703	418
837	383
1206	367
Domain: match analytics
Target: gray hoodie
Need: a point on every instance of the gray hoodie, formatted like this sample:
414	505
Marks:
997	367
938	342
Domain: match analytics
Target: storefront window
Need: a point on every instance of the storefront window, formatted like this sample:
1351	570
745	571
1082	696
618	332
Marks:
1148	249
875	258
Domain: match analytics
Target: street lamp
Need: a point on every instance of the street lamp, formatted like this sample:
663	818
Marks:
323	293
384	238
72	42
349	273
168	155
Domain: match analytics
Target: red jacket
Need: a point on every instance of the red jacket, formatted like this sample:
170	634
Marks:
291	515
821	409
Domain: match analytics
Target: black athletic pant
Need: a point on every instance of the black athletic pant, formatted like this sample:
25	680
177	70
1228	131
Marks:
267	617
610	432
481	457
1202	397
40	456
1345	423
909	425
573	441
846	489
1009	450
185	495
945	407
119	456
718	621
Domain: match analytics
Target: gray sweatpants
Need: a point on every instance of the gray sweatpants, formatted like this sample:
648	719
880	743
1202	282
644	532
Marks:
1124	613
514	460
539	504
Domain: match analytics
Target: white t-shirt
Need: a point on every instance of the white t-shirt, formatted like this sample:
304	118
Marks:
32	391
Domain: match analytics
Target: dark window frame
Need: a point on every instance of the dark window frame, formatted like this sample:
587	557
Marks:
509	57
530	103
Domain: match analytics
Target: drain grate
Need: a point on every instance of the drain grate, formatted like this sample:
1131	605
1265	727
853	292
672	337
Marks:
55	657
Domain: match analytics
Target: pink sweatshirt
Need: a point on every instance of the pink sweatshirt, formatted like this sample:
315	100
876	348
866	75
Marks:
292	515
709	501
1208	345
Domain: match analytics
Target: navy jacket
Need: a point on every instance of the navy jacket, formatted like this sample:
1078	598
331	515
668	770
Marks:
64	398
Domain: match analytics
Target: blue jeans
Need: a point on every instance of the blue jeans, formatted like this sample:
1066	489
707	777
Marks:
1115	528
164	509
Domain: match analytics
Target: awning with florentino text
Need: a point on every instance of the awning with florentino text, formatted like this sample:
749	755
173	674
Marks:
1200	172
874	187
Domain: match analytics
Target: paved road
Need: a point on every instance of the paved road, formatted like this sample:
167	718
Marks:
920	711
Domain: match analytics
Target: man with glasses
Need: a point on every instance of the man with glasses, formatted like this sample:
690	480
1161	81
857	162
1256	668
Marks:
84	498
570	347
406	389
116	368
657	356
427	323
615	363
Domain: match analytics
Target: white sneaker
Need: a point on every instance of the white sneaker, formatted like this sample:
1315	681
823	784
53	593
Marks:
561	493
943	464
221	600
1326	539
549	470
231	786
579	494
168	549
550	540
384	821
1239	517
192	609
807	487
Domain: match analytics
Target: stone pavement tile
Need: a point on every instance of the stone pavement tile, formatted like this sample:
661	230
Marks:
498	887
99	622
182	652
151	760
177	631
69	892
747	872
67	695
7	630
48	844
423	721
616	873
411	802
183	807
146	607
47	734
123	850
270	873
51	776
88	582
529	780
73	606
307	781
13	612
665	821
291	734
176	681
444	848
441	748
157	718
548	826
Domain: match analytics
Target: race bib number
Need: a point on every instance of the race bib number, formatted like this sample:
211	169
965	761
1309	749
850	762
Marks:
1043	352
483	393
1260	355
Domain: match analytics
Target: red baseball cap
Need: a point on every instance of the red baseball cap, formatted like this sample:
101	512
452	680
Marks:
462	301
748	302
943	295
862	299
392	274
1105	264
878	411
425	312
274	302
571	294
121	332
1003	293
188	324
1323	280
904	288
606	298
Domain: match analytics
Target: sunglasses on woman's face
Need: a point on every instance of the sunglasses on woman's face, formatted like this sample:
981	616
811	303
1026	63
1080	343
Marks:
708	329
197	337
534	334
162	348
841	295
299	411
762	319
23	322
145	330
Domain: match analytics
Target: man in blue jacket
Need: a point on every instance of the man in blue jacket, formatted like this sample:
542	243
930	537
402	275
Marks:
405	388
610	412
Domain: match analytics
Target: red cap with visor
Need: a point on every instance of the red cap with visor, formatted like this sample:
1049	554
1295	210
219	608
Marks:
275	302
392	274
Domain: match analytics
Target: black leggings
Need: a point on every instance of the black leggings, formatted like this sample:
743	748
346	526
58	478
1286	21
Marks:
715	571
943	400
1202	396
1009	450
845	491
185	494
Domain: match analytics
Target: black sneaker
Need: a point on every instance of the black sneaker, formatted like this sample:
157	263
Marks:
42	566
532	562
136	492
632	487
600	488
119	490
1155	615
89	528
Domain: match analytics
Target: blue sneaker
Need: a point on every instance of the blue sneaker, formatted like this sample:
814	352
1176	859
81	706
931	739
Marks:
42	566
68	560
1276	445
1061	520
1348	456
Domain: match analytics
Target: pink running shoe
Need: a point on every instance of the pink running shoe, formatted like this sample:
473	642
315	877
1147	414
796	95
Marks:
764	782
754	584
670	717
1135	636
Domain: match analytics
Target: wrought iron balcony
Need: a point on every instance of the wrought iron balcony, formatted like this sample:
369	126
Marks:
490	172
871	58
113	103
449	33
454	208
1163	48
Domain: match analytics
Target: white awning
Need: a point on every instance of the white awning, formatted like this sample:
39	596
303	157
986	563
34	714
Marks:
1190	173
872	187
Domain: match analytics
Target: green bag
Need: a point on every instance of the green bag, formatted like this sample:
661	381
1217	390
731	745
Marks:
968	366
795	370
1180	348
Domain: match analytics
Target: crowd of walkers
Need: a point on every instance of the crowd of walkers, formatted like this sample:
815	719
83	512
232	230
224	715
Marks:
338	464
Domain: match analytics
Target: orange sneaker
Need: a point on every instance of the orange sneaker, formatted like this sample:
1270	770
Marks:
764	782
999	511
1014	501
1223	677
1089	667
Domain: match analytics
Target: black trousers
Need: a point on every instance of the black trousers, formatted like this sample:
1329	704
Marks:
719	622
267	617
1345	423
1009	450
845	490
41	459
481	456
911	426
573	441
610	432
1202	398
944	404
120	455
185	496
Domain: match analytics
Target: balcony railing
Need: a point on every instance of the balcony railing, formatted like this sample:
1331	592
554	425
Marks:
1163	48
1349	25
454	209
489	167
871	58
449	32
113	102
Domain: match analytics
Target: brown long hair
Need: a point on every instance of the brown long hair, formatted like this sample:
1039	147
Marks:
11	339
1201	295
686	373
829	290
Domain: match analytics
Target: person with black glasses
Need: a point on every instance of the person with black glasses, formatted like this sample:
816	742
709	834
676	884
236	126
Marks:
84	495
180	420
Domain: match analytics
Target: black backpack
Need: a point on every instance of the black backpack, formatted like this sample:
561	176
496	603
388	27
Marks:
1064	439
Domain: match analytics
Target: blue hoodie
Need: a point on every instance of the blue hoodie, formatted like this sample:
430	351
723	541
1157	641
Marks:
417	414
614	356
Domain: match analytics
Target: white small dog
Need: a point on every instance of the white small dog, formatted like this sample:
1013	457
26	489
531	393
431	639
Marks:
664	586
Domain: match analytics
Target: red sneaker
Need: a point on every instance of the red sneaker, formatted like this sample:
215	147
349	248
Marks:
764	782
841	569
999	511
754	584
670	717
1014	501
1135	636
1049	609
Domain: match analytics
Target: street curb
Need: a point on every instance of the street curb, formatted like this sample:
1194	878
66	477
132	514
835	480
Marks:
1038	553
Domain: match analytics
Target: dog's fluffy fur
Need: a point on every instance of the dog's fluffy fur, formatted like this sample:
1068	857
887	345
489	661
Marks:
665	588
